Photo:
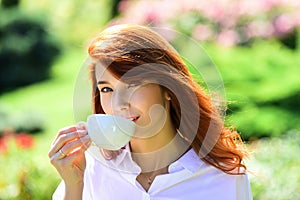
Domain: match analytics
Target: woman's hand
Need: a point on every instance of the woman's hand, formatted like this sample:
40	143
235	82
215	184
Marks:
67	154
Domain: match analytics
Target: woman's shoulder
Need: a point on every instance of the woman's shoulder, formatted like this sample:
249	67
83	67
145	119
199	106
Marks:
192	161
203	175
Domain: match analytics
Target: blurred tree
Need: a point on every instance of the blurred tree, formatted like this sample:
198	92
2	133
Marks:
9	3
115	8
26	50
290	40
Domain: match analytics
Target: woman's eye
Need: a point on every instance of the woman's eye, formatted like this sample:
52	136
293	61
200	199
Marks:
106	90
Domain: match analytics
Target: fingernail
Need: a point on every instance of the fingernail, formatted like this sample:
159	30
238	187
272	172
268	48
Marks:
82	133
81	125
85	138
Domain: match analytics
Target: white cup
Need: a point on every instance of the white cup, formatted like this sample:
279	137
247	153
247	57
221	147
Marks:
109	132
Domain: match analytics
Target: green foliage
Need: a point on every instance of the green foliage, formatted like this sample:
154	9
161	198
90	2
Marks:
72	22
261	82
28	174
274	167
25	173
262	85
33	176
9	3
29	121
49	103
26	50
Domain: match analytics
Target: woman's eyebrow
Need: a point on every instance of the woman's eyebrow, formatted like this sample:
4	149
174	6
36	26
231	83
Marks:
102	82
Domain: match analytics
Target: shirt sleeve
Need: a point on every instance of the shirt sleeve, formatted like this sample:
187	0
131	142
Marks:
243	189
59	193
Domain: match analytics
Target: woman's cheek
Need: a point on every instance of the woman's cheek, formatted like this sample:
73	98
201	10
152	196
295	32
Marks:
106	105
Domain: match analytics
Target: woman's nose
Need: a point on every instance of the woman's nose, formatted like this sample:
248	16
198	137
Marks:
120	100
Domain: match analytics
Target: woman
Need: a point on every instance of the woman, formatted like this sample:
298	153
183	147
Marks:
180	149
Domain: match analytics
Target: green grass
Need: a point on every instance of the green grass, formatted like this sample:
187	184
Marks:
275	167
71	24
53	99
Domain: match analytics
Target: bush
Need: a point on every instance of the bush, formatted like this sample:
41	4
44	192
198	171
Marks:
263	86
26	173
26	50
275	171
29	121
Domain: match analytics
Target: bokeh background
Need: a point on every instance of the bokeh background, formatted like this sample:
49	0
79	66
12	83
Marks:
254	44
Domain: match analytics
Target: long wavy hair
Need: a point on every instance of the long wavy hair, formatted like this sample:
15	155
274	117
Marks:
122	48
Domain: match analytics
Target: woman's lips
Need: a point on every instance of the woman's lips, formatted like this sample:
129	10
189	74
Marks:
133	118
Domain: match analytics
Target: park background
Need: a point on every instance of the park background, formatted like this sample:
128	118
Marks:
254	44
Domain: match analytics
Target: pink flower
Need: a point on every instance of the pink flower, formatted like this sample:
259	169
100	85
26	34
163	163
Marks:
283	24
202	32
232	20
227	38
259	29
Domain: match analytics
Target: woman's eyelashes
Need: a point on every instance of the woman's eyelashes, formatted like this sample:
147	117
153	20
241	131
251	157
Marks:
106	90
133	85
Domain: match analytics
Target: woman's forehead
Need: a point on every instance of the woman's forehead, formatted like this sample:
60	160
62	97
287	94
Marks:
102	73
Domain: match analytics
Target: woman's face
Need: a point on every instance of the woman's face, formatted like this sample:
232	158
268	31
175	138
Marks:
142	102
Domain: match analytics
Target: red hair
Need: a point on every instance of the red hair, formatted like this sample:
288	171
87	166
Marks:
125	47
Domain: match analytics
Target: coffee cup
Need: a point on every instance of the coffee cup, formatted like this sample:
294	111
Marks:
108	131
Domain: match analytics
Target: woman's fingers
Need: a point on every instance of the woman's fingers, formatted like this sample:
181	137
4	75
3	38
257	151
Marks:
67	153
71	158
69	149
64	130
69	129
70	138
66	138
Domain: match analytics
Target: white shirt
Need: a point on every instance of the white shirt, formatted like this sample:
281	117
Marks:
188	178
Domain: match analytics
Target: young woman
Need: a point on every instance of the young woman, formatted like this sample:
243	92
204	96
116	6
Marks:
180	148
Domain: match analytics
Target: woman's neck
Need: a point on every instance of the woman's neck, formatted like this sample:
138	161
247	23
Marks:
159	152
147	145
154	142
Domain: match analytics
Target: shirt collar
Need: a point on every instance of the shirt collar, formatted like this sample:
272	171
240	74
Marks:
189	161
124	162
